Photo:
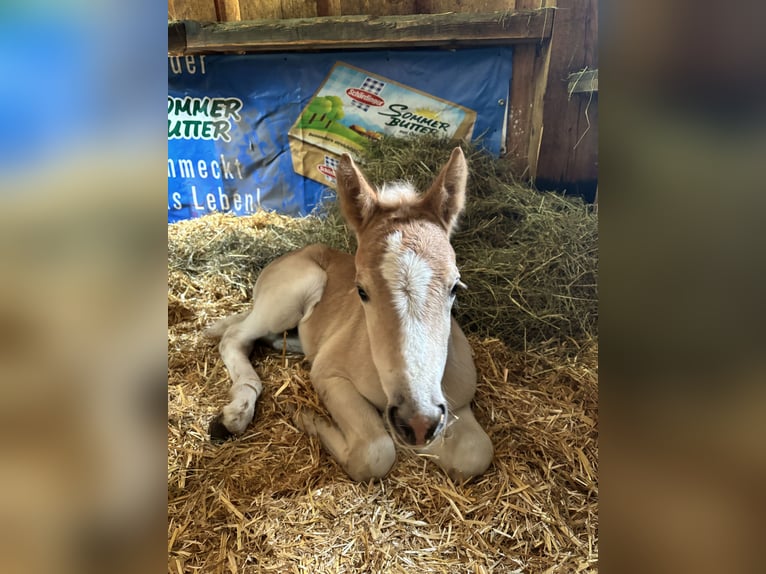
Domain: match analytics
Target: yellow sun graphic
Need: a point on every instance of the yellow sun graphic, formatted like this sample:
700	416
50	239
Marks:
427	113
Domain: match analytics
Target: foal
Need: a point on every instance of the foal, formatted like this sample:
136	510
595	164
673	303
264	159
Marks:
377	330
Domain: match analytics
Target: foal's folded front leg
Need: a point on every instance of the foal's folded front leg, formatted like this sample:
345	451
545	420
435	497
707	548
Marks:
246	386
355	436
464	450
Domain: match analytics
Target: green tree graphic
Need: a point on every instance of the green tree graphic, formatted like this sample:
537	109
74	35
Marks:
322	111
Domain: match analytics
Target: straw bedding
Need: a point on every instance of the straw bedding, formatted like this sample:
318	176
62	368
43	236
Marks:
274	501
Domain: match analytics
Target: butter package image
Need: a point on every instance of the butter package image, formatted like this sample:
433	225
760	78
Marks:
353	107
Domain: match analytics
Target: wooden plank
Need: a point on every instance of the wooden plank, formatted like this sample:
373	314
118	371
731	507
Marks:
176	37
378	7
569	147
202	10
360	32
525	117
585	81
299	9
328	8
536	123
228	10
282	9
441	6
257	9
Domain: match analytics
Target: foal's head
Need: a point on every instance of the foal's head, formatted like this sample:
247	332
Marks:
407	280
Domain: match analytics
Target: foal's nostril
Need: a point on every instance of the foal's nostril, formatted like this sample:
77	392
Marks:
400	426
418	430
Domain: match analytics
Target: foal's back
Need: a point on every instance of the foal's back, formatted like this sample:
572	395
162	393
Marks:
334	336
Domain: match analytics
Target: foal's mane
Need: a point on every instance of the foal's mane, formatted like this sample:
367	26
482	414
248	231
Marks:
397	194
399	202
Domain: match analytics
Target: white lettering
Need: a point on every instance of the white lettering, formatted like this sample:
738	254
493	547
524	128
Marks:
179	64
218	169
186	168
226	168
223	199
175	64
194	199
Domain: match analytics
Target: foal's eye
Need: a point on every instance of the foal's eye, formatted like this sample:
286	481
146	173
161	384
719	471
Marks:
362	294
458	284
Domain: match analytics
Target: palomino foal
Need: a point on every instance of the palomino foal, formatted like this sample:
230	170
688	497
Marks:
377	330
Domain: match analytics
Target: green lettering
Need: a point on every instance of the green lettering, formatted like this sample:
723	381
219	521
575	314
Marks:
174	129
221	130
233	105
200	106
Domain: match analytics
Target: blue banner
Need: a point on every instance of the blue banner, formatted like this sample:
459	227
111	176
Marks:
264	131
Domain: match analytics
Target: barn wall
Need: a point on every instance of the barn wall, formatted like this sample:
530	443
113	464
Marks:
255	9
568	157
552	136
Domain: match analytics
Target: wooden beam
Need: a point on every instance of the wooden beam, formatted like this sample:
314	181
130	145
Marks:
227	10
192	10
361	32
530	78
583	82
176	37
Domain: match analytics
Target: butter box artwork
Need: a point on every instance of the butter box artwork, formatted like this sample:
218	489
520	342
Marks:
353	107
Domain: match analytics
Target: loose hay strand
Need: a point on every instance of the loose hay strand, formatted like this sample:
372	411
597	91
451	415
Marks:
274	501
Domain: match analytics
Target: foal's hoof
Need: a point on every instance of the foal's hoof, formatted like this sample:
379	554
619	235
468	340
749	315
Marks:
217	430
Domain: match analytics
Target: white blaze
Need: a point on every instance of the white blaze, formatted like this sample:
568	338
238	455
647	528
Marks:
408	277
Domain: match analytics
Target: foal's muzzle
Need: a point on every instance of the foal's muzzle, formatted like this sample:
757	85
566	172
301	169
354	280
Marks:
419	429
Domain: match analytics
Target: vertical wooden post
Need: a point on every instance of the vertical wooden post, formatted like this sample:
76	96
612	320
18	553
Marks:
328	8
228	10
299	9
202	10
525	120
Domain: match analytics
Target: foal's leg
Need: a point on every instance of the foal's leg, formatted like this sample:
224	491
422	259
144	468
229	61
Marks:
464	450
355	437
286	292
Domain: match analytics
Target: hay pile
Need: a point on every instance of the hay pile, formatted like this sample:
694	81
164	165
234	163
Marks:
530	259
274	501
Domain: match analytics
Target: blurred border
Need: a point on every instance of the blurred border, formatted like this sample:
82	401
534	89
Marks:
83	286
82	292
683	128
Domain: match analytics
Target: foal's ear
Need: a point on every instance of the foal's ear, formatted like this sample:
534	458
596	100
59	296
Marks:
446	197
357	197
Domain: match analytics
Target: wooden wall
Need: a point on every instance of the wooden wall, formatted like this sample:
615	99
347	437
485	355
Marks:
552	134
568	157
226	10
